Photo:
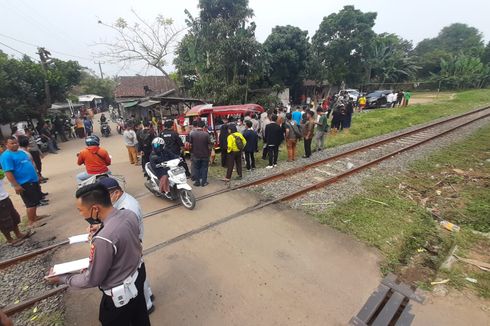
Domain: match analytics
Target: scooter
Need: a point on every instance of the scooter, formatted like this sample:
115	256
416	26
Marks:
43	146
120	126
179	189
105	129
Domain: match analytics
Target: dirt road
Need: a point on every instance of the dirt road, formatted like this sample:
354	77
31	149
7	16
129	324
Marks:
275	266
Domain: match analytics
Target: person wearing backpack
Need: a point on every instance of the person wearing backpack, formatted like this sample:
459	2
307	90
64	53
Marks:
274	135
321	129
235	145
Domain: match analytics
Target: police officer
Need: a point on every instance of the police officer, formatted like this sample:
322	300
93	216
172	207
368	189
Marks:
115	260
122	200
173	143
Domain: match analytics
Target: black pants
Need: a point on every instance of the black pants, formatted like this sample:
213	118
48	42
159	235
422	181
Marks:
223	157
250	160
234	158
265	152
132	314
307	147
36	157
145	158
273	154
184	165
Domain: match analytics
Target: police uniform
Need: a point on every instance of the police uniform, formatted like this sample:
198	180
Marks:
115	267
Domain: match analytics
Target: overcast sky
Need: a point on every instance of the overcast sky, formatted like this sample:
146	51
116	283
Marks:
69	28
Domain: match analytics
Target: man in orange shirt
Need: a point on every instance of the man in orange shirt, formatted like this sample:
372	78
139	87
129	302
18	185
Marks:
95	158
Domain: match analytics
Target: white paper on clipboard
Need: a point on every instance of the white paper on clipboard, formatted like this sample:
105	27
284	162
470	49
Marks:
70	267
78	238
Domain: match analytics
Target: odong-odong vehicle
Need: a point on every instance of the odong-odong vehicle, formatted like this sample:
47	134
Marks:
377	99
179	188
213	115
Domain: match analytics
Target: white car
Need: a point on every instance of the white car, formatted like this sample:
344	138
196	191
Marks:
353	94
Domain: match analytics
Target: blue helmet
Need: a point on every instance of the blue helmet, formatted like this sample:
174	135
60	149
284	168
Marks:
92	141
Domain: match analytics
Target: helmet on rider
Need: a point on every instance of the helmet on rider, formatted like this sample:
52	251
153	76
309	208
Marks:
158	144
92	141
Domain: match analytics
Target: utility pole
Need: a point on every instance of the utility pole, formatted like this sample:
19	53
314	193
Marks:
100	69
44	56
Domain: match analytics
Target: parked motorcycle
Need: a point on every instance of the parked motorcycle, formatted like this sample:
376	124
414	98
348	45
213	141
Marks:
43	146
105	129
179	189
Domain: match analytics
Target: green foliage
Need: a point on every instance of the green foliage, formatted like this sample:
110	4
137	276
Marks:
288	49
463	71
391	60
343	42
91	84
219	57
452	40
22	86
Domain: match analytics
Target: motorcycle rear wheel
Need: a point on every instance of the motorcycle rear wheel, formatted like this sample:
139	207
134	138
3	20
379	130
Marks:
187	198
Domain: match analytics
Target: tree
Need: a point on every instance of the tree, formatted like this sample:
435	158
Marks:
287	47
451	41
462	71
150	43
22	93
90	83
391	60
343	42
219	57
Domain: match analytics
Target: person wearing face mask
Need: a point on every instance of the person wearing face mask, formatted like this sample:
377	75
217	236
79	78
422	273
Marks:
115	264
123	200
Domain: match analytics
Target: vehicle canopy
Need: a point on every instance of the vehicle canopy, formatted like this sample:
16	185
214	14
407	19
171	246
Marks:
232	110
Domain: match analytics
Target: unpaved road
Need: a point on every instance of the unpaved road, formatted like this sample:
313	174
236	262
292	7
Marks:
275	266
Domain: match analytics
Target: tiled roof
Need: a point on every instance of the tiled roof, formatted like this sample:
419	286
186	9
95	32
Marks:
134	86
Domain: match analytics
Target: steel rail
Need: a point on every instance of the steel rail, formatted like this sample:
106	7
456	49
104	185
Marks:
15	308
301	192
28	303
283	174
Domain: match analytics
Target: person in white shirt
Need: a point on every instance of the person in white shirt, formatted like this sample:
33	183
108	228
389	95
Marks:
389	100
131	141
123	200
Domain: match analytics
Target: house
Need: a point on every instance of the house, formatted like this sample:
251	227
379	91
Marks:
133	94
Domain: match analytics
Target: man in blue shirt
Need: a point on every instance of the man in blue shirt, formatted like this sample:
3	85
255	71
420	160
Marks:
297	116
22	175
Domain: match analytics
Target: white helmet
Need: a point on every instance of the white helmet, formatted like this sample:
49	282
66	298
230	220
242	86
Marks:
158	144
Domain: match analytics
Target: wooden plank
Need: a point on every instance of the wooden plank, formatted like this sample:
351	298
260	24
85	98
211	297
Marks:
389	310
355	321
390	281
406	318
373	303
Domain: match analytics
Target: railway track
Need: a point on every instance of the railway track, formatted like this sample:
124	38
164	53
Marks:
333	169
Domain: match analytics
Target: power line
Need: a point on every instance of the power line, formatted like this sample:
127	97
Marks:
38	46
11	48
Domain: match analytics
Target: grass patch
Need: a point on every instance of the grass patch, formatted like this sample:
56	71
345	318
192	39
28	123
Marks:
382	121
396	215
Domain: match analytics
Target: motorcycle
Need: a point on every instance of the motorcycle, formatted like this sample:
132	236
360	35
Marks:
120	126
43	146
105	129
179	189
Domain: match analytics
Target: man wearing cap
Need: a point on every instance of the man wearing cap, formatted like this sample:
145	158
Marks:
114	260
123	200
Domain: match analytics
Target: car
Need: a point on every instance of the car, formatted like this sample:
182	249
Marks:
353	94
377	99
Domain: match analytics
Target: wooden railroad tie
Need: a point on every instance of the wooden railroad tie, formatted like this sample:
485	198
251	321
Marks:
388	305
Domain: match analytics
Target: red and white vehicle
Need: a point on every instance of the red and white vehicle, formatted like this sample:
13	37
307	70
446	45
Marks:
213	116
